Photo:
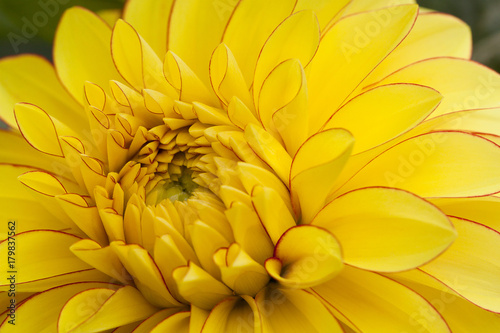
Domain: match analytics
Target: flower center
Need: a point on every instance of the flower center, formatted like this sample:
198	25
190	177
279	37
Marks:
178	187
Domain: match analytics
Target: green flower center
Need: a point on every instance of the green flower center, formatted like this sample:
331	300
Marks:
178	188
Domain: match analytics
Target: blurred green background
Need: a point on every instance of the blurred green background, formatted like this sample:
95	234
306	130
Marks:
27	26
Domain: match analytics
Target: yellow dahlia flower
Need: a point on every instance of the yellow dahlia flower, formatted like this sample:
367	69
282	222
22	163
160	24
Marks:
252	166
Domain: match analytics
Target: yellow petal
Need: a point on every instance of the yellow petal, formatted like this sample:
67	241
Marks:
315	167
186	82
18	84
43	183
272	212
38	129
294	310
297	37
249	232
36	217
239	271
226	77
136	60
197	320
292	120
368	302
471	266
150	19
245	38
206	240
147	276
44	261
398	230
474	121
178	322
234	315
210	115
325	10
15	197
200	288
240	114
429	166
195	30
252	176
102	258
317	260
461	315
282	103
341	62
147	325
482	210
433	35
269	150
370	5
29	318
91	51
464	84
383	113
15	150
111	308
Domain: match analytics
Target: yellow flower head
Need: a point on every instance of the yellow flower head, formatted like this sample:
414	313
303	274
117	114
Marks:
252	166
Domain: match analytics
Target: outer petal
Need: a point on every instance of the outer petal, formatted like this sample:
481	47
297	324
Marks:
344	59
429	166
38	128
386	229
290	311
464	84
434	35
471	266
371	5
383	113
482	210
31	319
195	30
368	302
282	104
136	60
44	261
108	309
18	84
15	150
226	78
90	51
150	18
325	10
15	198
245	38
461	315
298	37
